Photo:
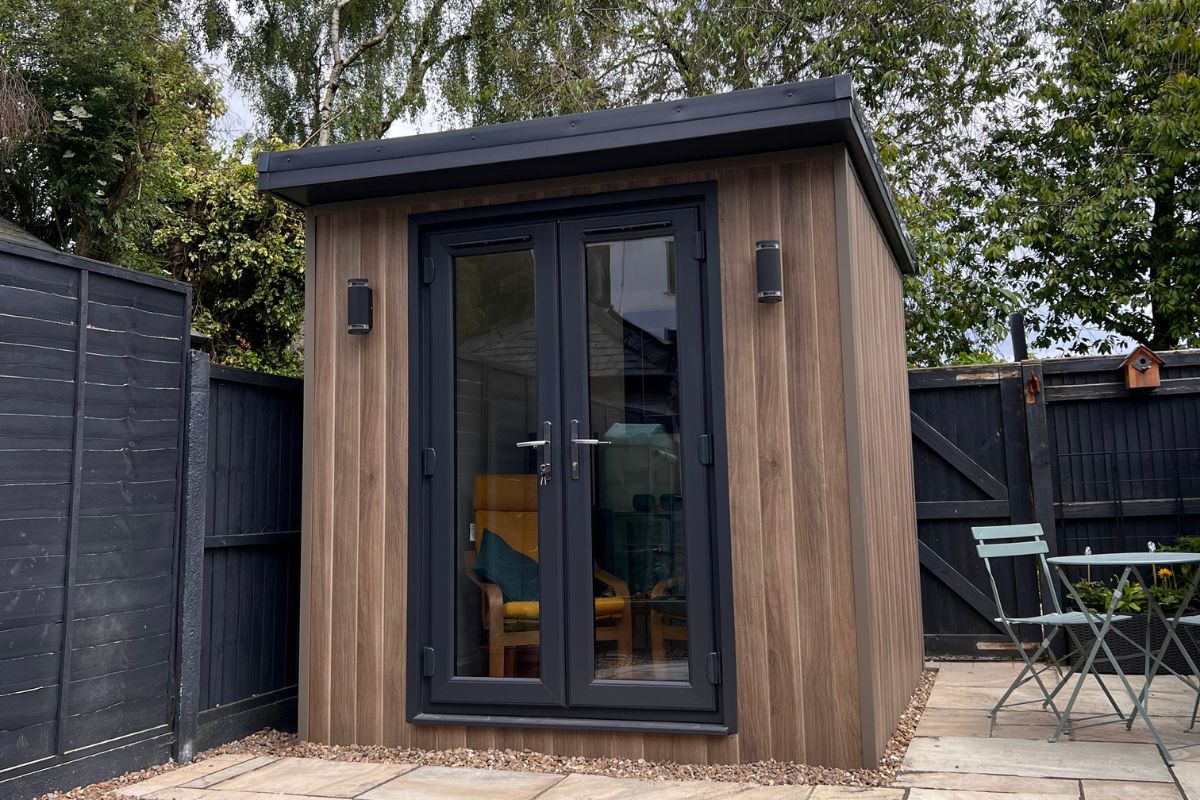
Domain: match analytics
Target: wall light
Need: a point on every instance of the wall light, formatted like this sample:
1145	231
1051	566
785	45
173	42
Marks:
770	271
359	308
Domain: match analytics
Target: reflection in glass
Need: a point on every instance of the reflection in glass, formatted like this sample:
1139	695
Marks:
637	515
498	596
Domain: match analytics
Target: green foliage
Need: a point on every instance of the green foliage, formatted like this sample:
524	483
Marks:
281	53
243	254
1097	596
926	74
125	170
1101	177
1094	594
115	87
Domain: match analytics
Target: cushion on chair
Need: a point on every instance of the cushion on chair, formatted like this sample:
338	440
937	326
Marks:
515	573
507	506
605	606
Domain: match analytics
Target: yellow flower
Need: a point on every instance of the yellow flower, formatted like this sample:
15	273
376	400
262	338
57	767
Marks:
1165	573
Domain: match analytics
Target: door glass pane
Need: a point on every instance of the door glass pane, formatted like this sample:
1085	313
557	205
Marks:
498	610
640	613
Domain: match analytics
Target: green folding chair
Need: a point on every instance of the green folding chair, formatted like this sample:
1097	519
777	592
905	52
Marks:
1022	541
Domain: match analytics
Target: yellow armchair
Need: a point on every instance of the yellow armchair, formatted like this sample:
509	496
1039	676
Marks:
507	506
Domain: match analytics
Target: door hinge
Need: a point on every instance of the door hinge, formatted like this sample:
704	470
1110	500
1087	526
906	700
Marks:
714	668
428	661
705	449
429	270
428	461
699	246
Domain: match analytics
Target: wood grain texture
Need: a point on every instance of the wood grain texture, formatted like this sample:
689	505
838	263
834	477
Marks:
879	447
798	685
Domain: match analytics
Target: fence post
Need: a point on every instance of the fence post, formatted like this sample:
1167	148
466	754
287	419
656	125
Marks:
1037	433
191	562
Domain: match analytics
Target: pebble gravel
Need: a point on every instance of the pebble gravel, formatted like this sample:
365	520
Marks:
768	773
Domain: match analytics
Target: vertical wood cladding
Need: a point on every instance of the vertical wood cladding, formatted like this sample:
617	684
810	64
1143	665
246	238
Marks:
793	561
883	511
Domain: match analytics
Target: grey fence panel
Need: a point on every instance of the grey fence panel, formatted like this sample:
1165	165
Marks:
1059	442
91	405
251	593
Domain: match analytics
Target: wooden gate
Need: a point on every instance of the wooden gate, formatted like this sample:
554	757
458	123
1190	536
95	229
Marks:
1062	443
972	457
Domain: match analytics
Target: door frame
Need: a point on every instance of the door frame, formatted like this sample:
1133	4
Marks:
583	688
443	247
419	707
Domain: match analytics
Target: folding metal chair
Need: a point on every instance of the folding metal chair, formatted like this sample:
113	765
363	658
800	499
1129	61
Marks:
1016	541
1192	621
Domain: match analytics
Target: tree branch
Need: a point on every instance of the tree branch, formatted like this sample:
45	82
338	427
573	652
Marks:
339	66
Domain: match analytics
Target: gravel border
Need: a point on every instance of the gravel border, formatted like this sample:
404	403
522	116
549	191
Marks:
767	773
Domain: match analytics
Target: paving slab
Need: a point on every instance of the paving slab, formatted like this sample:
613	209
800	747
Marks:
954	722
442	783
854	793
1187	773
774	793
315	777
961	794
233	771
184	793
979	782
1038	759
189	772
1173	737
1127	790
601	787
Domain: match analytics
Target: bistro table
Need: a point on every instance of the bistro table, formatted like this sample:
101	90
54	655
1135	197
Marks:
1131	565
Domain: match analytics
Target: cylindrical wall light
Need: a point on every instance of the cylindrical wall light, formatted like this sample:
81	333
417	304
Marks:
359	308
770	271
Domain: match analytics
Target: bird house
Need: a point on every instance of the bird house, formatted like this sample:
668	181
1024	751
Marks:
1141	369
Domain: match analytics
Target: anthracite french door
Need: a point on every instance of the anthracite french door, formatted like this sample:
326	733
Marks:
569	503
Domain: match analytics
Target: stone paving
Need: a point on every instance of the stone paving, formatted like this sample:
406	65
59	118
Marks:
958	754
245	777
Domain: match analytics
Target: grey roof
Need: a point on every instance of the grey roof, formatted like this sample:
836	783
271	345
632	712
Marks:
774	118
10	231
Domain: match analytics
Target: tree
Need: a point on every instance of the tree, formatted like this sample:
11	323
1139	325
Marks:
1100	173
333	69
242	252
120	166
117	88
929	75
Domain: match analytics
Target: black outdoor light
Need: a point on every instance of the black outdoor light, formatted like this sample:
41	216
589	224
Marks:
358	306
770	271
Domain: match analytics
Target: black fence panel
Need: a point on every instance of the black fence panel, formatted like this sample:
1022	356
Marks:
250	610
1063	443
92	401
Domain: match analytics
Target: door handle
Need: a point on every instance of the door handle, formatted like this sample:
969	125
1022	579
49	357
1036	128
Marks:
544	460
575	442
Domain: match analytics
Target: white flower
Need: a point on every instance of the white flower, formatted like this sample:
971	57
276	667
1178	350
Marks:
59	116
69	154
79	112
118	157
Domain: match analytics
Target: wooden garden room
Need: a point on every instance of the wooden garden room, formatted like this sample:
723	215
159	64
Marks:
607	443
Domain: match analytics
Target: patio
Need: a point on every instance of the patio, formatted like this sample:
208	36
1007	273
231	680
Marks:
958	750
958	754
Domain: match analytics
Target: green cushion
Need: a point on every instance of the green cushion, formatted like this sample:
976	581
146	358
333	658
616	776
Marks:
515	573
